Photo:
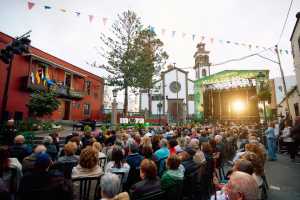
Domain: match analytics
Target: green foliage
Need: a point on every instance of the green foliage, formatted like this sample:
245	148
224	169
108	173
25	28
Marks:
87	129
47	125
264	94
133	54
43	103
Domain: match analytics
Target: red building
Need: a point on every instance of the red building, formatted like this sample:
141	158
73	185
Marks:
80	92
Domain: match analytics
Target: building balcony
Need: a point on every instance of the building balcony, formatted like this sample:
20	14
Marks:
61	90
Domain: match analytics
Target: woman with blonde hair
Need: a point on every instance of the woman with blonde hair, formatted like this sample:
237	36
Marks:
88	164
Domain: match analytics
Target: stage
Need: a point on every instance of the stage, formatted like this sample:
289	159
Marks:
230	95
234	104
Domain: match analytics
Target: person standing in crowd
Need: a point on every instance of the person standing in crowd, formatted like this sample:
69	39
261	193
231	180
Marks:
287	138
271	142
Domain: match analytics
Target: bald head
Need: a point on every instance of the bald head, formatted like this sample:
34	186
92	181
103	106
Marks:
40	149
242	186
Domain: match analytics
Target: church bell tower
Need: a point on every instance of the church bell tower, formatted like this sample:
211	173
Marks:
202	65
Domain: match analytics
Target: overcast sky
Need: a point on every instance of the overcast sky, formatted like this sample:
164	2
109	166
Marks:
257	22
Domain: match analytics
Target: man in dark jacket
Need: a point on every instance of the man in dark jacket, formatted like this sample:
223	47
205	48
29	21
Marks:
40	184
19	150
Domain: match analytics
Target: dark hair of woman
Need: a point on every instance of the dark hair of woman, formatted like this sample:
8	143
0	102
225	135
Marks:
117	157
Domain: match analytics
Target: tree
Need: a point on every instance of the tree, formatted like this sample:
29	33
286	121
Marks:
132	54
43	103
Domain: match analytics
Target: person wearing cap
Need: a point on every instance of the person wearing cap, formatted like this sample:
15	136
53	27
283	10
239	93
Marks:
41	184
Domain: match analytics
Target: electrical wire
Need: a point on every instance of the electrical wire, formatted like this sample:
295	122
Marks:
285	22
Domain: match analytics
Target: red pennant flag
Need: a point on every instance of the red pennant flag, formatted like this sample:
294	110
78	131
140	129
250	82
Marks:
30	5
104	20
91	17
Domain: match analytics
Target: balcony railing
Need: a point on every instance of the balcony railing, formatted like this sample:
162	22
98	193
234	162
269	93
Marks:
62	91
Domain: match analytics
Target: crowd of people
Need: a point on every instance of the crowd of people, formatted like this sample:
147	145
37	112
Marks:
187	162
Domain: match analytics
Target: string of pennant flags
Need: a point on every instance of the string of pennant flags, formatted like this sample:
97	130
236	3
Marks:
163	31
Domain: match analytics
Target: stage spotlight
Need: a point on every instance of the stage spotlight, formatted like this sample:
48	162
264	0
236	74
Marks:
238	106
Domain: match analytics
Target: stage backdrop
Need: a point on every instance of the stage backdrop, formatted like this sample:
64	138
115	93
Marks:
225	79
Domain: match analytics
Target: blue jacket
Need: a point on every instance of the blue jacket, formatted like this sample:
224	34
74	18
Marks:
270	132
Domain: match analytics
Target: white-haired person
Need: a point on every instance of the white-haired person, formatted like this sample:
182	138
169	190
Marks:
19	150
29	161
51	148
241	186
110	188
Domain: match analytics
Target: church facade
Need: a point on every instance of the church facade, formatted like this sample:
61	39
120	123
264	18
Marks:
173	94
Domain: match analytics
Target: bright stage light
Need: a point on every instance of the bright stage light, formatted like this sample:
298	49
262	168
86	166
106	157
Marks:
238	106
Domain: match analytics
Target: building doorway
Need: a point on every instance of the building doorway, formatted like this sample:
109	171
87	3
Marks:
175	110
67	110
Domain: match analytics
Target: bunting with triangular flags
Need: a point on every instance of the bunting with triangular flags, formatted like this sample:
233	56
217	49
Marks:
104	20
30	5
184	34
173	33
91	17
77	14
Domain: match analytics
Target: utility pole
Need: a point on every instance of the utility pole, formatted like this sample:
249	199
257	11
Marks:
283	81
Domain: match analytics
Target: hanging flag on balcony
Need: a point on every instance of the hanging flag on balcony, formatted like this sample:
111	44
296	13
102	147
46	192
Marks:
47	7
77	14
37	77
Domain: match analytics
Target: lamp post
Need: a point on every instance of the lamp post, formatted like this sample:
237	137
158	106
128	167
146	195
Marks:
159	106
261	79
114	109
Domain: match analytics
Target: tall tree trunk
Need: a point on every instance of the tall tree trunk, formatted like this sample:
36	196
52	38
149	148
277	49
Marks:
125	108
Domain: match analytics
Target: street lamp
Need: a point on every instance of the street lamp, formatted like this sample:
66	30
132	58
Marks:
261	79
114	109
159	106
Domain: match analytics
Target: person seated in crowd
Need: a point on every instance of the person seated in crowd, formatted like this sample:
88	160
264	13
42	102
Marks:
241	186
155	142
255	148
258	166
10	179
150	181
29	161
243	165
174	173
88	164
69	154
19	150
110	188
172	143
203	137
117	164
199	157
162	154
98	147
51	148
147	152
87	137
41	184
134	160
